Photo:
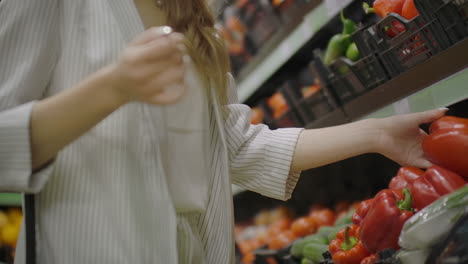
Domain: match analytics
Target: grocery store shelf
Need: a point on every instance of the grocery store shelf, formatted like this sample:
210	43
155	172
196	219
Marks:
310	24
10	199
441	94
337	117
437	82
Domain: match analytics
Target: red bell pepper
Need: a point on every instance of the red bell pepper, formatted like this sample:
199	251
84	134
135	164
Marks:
447	144
435	182
409	10
370	259
384	7
362	211
448	122
382	225
405	177
346	248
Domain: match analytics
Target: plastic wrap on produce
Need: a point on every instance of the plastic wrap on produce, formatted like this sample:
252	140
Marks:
433	223
413	256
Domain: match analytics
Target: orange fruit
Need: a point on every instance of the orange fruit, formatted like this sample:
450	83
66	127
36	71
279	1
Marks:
282	240
3	219
323	217
15	215
10	233
304	226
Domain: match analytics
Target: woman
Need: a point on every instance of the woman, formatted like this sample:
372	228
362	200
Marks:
86	88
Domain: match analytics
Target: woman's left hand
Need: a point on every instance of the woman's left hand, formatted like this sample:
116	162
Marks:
400	137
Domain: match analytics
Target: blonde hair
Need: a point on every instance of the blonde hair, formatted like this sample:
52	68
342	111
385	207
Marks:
195	19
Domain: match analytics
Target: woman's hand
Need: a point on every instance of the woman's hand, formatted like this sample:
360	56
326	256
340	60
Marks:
400	137
151	69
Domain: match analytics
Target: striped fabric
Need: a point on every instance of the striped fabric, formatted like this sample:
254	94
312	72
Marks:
105	197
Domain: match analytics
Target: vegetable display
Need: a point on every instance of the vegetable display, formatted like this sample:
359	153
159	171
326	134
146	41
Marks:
347	248
380	228
426	187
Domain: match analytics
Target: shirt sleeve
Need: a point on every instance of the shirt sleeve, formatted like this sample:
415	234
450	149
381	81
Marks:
29	44
260	158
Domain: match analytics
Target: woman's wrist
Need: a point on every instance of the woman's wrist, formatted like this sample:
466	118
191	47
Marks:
109	80
374	132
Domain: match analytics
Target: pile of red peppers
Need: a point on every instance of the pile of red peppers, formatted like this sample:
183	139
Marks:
377	222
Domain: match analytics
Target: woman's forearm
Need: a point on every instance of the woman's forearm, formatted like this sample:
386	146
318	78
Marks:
318	147
398	138
60	119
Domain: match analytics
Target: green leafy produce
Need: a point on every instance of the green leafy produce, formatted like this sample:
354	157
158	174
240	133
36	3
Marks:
433	222
314	251
298	245
307	261
346	219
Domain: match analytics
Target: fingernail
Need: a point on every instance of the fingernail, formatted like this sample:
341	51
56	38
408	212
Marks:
443	109
166	30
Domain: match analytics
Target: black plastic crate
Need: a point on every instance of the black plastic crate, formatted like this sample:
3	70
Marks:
417	43
260	19
335	85
351	79
315	105
450	15
366	39
287	10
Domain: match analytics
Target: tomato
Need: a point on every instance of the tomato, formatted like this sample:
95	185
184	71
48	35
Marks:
278	227
282	240
448	148
323	217
448	122
304	226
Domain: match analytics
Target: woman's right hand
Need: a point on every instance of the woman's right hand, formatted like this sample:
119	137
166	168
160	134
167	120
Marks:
151	69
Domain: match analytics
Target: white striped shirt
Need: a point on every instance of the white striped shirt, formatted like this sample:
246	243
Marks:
104	198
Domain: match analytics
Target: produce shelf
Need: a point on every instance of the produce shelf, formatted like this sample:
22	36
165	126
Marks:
10	199
257	72
438	82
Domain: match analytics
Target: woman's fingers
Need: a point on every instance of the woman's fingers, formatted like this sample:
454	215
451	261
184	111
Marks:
428	116
159	49
152	68
151	34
